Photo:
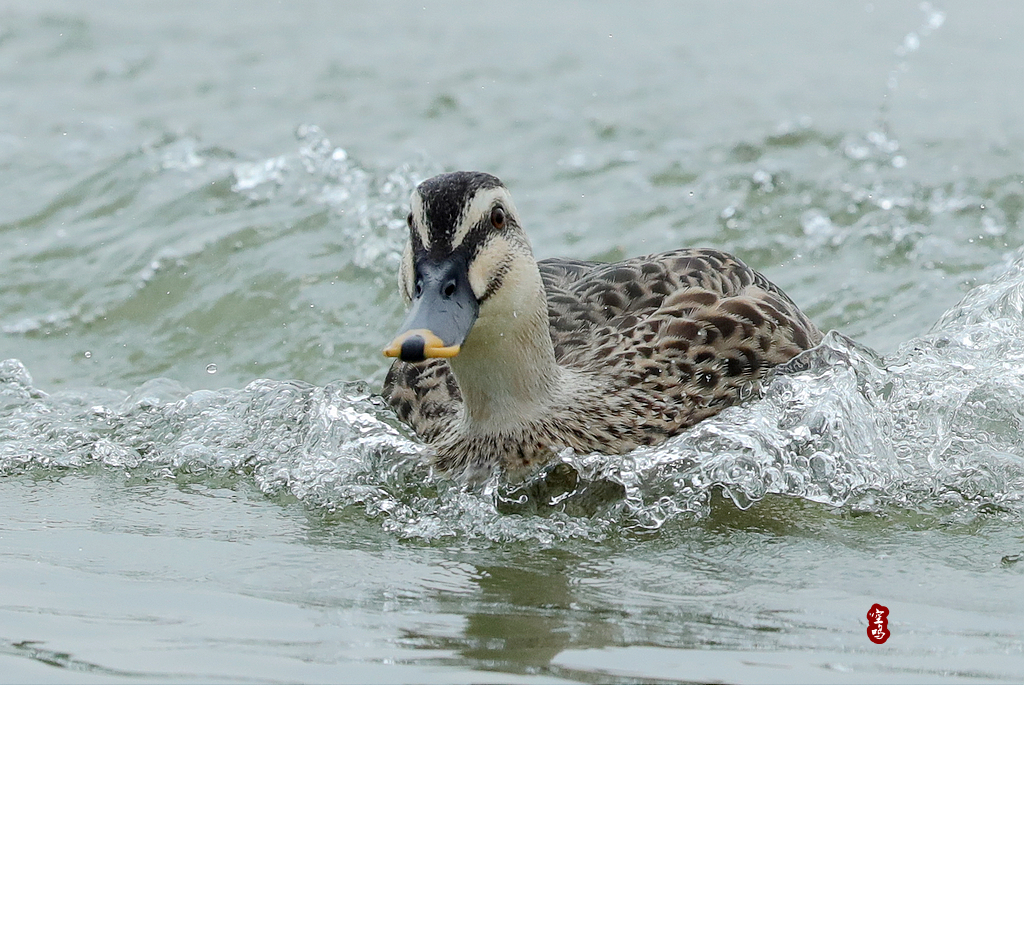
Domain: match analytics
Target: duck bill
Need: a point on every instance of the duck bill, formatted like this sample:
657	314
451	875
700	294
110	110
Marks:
441	315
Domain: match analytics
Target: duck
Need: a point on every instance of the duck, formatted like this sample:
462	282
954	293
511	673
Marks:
503	362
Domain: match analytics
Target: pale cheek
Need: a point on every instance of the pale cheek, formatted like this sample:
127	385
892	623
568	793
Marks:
405	275
484	266
477	282
420	219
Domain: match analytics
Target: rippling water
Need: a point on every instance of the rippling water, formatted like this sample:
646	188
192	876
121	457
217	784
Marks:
199	250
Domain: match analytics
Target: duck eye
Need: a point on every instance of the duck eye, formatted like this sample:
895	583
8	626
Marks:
498	217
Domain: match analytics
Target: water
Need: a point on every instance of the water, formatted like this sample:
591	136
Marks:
198	246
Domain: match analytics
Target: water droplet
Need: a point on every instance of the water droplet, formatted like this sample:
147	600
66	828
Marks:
88	354
211	368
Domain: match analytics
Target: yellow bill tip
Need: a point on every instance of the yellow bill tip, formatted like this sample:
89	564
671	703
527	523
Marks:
419	344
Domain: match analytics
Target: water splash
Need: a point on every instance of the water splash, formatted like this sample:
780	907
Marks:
940	426
933	20
802	192
370	206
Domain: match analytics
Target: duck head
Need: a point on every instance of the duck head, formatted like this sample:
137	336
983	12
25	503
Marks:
465	259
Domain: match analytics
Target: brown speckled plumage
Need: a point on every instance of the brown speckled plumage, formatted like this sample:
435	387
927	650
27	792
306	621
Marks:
664	341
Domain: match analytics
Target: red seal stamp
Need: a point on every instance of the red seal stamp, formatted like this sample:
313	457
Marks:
878	623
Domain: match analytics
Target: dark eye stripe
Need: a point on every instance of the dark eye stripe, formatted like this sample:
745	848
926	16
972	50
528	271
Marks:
480	232
476	236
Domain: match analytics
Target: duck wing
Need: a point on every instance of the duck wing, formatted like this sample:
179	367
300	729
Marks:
673	336
702	306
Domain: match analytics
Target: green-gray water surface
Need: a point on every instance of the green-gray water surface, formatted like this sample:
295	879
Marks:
202	214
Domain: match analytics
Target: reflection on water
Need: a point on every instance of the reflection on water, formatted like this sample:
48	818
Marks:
499	631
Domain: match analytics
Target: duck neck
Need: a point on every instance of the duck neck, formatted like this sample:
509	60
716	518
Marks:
506	368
